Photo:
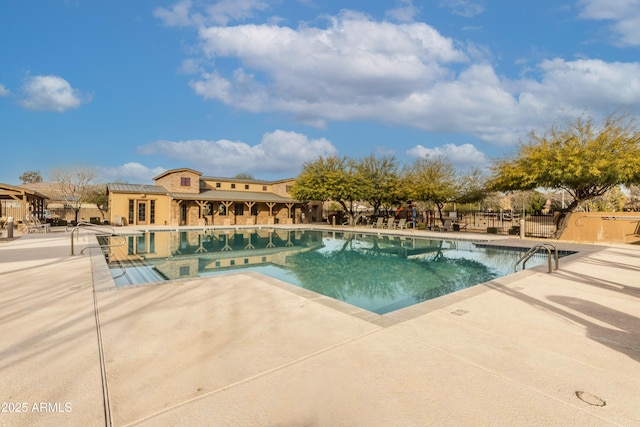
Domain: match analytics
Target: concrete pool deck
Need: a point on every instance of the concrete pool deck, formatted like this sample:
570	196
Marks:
532	348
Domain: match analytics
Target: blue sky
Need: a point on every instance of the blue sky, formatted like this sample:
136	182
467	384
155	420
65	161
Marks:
132	88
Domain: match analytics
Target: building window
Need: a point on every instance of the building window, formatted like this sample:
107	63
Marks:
288	189
152	211
222	209
131	209
152	243
233	186
246	186
264	188
184	270
141	247
202	184
142	212
239	209
254	210
183	213
218	185
185	181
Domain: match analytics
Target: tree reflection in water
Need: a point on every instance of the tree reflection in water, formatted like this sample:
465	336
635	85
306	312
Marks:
386	273
379	273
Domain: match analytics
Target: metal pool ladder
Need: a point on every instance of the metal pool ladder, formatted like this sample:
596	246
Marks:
531	252
104	248
98	228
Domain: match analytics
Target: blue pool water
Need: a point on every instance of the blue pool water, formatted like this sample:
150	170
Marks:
375	272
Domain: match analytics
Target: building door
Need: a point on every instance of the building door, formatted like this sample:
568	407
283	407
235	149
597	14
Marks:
183	214
142	213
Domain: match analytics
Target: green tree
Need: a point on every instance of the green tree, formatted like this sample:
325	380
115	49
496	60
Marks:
330	178
244	176
612	201
582	158
30	177
97	194
634	197
380	180
434	179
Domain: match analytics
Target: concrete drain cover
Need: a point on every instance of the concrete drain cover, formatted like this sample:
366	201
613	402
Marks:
590	399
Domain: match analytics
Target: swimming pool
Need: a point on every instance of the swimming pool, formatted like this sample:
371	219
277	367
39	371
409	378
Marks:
379	273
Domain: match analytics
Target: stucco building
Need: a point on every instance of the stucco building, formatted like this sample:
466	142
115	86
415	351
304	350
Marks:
185	197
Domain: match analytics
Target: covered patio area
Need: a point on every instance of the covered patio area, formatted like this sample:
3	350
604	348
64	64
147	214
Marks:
18	203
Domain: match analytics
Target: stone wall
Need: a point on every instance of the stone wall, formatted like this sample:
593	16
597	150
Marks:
172	182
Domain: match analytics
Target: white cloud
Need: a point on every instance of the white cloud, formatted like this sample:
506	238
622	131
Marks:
4	91
624	16
356	68
224	11
177	16
183	13
463	156
404	12
279	152
465	8
573	86
129	173
347	71
50	93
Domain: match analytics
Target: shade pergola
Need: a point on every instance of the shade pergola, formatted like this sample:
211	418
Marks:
29	200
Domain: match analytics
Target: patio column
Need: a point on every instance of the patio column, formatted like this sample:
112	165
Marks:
289	206
250	205
227	206
201	205
271	205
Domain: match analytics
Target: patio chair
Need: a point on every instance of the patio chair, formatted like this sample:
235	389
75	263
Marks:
35	225
445	227
379	223
402	223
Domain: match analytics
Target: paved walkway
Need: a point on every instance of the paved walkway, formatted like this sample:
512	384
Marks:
244	350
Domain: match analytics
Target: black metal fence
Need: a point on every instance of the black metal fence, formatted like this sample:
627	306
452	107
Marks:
542	226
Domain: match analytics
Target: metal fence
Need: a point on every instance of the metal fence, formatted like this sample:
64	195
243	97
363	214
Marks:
505	222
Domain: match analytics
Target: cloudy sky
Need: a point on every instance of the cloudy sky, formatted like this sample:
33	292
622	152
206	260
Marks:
132	88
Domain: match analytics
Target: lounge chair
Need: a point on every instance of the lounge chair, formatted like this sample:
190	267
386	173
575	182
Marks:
402	223
35	225
445	227
379	223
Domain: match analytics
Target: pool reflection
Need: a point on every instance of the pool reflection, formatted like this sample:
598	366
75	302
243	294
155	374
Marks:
377	273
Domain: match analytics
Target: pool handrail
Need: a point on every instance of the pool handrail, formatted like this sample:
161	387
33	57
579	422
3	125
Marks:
531	252
124	241
82	224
